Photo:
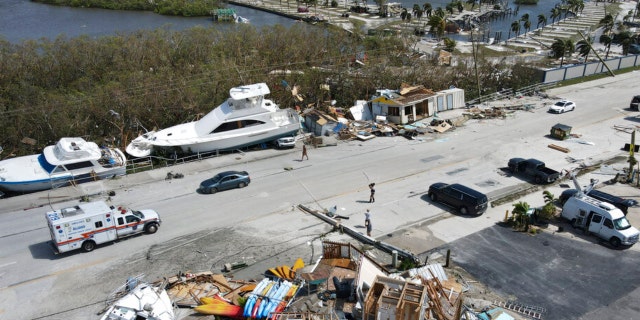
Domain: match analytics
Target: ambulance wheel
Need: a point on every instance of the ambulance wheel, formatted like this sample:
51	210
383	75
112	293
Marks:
615	242
88	246
573	223
152	228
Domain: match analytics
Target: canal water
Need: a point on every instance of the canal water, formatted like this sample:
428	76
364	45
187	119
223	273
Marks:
23	19
26	20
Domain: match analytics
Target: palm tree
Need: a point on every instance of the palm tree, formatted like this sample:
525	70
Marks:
449	7
437	25
519	216
555	13
624	39
404	14
542	19
515	27
427	8
607	23
584	48
449	44
440	12
416	7
527	26
561	48
606	40
459	6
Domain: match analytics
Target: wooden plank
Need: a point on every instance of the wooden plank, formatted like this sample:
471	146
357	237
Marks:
559	148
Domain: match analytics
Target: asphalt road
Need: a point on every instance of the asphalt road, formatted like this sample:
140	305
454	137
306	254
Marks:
260	225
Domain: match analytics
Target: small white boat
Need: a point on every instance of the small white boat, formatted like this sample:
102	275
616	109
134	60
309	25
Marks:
140	300
69	161
245	119
240	19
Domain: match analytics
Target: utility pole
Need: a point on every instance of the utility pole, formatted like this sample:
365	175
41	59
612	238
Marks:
475	63
632	160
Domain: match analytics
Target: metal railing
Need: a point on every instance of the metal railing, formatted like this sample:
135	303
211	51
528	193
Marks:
152	162
510	93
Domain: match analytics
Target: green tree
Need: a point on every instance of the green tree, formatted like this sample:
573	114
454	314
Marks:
583	47
450	7
519	218
542	19
437	25
555	14
548	211
607	41
624	39
449	44
404	14
562	48
427	8
515	27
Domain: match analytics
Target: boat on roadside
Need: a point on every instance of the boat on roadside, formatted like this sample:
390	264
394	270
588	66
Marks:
139	300
246	118
68	162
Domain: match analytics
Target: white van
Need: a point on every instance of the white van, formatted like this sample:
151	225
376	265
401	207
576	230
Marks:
600	218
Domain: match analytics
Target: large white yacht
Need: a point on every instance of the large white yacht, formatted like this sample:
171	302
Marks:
245	119
69	161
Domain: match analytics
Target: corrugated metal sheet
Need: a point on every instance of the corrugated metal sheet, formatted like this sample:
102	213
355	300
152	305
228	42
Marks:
423	272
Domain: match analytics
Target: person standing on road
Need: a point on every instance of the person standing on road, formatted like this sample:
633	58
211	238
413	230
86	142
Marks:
373	193
304	152
367	222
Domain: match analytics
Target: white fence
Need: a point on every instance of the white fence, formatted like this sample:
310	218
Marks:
591	68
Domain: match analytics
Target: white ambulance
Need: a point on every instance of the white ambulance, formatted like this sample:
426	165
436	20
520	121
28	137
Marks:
89	224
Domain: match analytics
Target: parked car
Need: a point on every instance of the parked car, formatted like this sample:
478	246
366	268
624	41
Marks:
635	101
462	198
225	180
562	106
286	142
620	203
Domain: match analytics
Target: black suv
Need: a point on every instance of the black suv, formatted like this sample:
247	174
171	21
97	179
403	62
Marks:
620	203
462	198
634	103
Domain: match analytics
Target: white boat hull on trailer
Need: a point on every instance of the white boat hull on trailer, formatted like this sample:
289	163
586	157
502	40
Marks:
70	161
245	119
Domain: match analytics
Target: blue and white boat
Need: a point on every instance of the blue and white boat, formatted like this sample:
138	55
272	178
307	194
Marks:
246	118
70	161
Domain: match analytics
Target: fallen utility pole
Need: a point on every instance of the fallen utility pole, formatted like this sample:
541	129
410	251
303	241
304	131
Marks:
402	254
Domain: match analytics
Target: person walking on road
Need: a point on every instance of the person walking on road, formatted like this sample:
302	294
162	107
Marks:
304	152
367	222
373	193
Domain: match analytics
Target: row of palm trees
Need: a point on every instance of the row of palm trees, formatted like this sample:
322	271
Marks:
624	38
437	17
558	12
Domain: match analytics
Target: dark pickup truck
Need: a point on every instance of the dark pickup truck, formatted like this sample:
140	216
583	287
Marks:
533	168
